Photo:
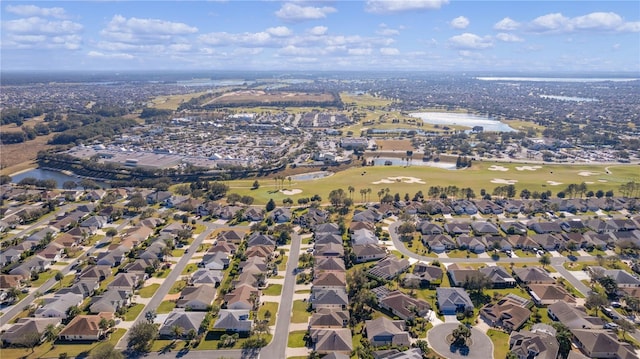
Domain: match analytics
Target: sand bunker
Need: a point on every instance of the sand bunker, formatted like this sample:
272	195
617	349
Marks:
528	168
554	183
603	181
587	173
497	168
290	192
408	180
503	181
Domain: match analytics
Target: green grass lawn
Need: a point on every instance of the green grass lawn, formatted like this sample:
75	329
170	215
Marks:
177	253
303	291
296	339
132	313
456	253
300	314
53	350
165	307
282	263
500	343
190	268
477	177
177	287
273	289
148	291
271	307
43	277
164	273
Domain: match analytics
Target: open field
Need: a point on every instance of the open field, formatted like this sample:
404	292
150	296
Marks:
364	100
172	102
20	156
553	177
258	96
395	145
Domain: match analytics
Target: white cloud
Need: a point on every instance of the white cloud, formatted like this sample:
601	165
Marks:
247	39
36	25
388	32
32	10
279	31
508	37
460	22
294	12
549	23
470	41
135	30
121	56
506	24
389	51
318	30
297	51
359	51
394	6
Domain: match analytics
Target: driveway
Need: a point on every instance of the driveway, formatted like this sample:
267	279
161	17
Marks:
481	346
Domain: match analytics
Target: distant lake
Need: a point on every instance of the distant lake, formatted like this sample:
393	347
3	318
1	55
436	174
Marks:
42	174
557	79
570	98
462	119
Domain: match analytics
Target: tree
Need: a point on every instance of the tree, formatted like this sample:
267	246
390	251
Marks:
545	260
406	230
460	335
59	277
337	197
564	337
50	333
610	286
105	351
625	326
69	185
141	336
30	340
255	185
351	189
271	205
72	312
632	303
177	331
137	201
150	316
232	198
595	301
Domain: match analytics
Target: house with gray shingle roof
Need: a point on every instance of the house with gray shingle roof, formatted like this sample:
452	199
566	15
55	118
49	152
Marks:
187	321
453	300
234	320
384	331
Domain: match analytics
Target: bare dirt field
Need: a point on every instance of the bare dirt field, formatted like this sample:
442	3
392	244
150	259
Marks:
21	156
394	145
258	96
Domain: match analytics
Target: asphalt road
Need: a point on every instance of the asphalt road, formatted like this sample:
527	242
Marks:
278	346
173	276
481	346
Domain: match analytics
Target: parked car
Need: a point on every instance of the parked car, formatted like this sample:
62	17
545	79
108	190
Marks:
611	313
610	326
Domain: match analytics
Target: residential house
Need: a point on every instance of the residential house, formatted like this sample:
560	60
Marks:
335	298
94	272
85	328
481	228
186	321
453	300
363	236
234	320
512	228
95	222
53	252
439	242
423	276
110	301
472	244
281	215
196	297
368	252
370	215
127	282
623	278
389	267
572	316
85	288
16	333
206	276
430	228
533	275
257	238
332	228
404	306
329	280
331	340
602	344
232	236
533	344
329	318
384	331
545	294
253	214
522	242
498	276
113	257
328	264
215	261
329	250
326	238
548	241
545	227
457	228
509	313
243	296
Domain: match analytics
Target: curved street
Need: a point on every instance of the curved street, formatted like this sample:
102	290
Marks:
481	346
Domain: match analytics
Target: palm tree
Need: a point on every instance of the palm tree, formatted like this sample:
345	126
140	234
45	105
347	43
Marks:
177	331
50	333
545	260
351	190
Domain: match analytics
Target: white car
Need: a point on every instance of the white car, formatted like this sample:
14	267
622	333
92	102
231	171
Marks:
610	326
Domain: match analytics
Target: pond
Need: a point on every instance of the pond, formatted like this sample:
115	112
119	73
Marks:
390	161
43	174
311	176
462	119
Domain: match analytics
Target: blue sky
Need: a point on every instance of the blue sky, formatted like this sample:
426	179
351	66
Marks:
427	35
